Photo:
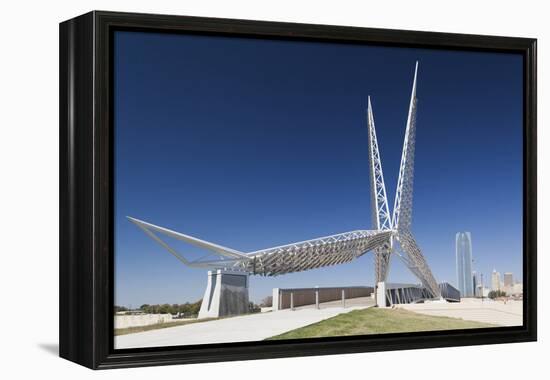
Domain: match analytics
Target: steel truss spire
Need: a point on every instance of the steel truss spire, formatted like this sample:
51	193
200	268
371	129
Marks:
381	213
402	210
381	218
402	207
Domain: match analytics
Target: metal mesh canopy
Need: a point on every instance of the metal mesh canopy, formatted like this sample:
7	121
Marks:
317	253
295	257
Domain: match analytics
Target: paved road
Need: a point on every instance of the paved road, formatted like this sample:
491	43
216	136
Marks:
244	328
494	312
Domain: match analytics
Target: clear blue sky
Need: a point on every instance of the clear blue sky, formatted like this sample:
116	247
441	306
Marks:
255	143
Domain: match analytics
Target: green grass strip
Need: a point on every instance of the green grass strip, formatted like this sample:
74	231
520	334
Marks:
378	321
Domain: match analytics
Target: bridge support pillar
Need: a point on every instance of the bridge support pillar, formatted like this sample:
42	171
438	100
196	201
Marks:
226	294
381	300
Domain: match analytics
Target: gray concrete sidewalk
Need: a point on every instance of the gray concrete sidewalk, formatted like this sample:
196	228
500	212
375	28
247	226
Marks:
488	311
244	328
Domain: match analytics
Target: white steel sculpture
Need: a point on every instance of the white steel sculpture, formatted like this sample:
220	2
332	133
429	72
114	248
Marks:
390	234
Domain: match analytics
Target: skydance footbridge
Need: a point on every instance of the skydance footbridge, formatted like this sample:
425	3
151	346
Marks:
228	269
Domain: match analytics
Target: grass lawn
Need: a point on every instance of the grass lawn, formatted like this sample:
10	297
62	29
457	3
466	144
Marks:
378	321
132	330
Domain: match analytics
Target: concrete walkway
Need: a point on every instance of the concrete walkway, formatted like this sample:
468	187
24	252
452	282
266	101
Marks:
244	328
488	311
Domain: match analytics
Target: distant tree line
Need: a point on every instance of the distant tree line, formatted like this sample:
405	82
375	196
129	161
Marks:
496	294
253	308
267	301
185	309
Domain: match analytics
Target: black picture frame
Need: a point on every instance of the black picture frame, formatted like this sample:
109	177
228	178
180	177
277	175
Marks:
86	190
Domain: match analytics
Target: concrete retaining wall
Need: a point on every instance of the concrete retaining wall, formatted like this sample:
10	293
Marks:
307	296
124	321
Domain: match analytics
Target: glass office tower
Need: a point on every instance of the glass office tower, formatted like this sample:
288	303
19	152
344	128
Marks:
464	264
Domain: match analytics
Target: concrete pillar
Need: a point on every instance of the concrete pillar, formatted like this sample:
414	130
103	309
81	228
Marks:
276	303
226	294
343	298
205	305
291	300
381	295
317	297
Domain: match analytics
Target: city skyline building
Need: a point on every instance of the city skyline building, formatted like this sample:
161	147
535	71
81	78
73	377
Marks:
508	279
495	280
475	282
508	282
517	288
464	273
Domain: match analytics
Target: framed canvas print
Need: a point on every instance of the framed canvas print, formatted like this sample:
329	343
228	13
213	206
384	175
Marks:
236	189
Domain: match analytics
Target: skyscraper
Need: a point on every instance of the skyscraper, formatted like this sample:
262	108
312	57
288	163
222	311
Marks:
508	279
464	264
508	282
495	280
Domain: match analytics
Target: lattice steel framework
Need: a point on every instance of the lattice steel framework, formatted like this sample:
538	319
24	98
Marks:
390	234
295	257
381	218
407	248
